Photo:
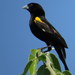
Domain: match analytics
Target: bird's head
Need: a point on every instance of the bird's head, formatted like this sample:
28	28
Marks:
35	9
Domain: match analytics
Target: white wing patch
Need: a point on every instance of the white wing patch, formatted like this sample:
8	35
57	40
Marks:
43	30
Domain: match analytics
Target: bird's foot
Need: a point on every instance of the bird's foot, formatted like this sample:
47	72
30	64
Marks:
45	48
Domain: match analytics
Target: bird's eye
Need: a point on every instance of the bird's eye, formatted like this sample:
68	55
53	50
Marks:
31	5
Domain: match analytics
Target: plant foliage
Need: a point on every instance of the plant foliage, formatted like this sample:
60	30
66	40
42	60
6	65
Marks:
50	65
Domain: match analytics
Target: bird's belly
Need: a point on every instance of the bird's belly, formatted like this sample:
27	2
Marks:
40	34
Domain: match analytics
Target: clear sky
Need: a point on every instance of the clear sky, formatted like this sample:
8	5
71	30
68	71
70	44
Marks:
16	39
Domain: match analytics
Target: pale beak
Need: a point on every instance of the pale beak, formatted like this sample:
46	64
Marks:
25	7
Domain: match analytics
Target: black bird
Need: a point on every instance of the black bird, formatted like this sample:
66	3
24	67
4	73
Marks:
44	31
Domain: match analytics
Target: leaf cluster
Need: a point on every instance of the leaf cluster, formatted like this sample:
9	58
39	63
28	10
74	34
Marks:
51	65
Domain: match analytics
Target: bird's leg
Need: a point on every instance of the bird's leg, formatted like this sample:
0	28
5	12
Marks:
45	48
49	48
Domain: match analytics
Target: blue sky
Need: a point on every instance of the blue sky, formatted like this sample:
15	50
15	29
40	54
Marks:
16	39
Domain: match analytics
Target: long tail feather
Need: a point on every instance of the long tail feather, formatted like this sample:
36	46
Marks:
61	56
64	52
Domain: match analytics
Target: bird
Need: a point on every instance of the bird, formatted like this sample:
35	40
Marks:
44	31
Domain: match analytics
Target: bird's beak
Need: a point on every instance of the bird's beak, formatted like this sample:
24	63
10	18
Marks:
25	7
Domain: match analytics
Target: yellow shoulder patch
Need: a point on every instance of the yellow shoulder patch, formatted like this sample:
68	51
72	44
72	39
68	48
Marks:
38	19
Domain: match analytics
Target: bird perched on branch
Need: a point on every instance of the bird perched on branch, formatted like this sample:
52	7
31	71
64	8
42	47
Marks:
44	31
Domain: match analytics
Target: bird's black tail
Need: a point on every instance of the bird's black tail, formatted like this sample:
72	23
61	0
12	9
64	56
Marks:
62	57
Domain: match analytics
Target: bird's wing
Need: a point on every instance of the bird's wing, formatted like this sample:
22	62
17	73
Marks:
42	25
45	26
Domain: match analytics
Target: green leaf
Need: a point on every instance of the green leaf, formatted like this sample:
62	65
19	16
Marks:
33	57
35	51
27	68
33	67
43	71
59	73
42	58
67	73
55	61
